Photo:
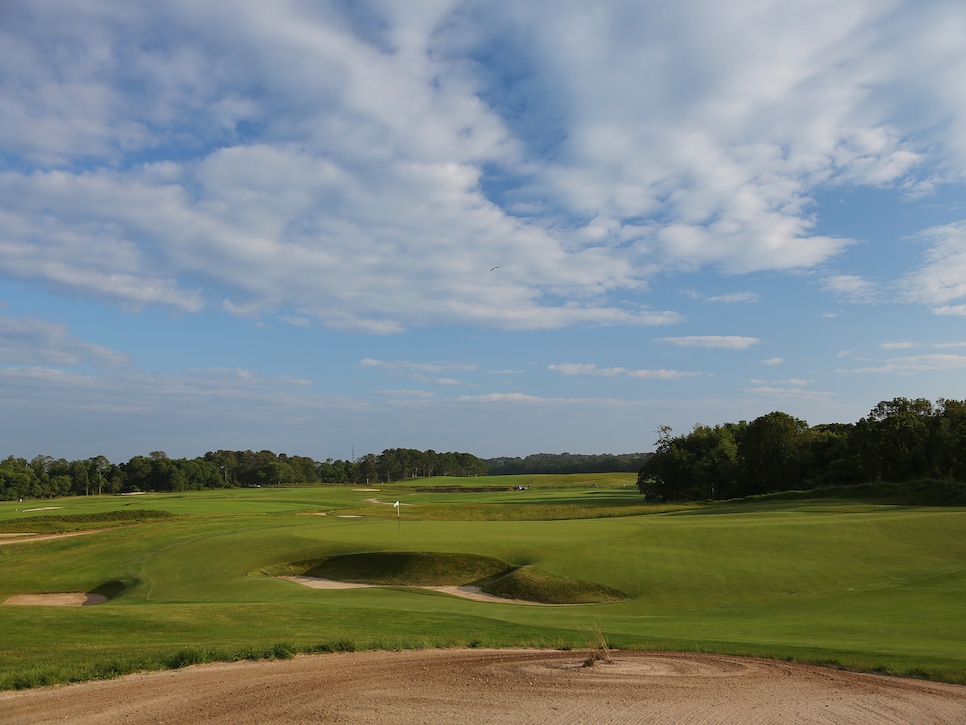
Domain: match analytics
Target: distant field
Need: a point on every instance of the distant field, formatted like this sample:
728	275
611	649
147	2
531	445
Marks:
872	587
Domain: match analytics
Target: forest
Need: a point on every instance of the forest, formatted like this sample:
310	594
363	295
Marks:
47	477
567	463
900	440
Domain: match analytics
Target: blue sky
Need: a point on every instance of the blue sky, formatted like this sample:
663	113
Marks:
495	227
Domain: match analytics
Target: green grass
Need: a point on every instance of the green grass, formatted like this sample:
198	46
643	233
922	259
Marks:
62	523
868	586
528	585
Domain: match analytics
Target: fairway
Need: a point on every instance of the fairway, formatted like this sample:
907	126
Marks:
869	587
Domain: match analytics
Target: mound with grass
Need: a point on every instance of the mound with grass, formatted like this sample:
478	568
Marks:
528	585
406	568
432	569
60	523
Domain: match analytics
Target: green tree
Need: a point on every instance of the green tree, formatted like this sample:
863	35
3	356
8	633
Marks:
894	439
771	451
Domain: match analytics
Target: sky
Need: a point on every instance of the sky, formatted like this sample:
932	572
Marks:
330	228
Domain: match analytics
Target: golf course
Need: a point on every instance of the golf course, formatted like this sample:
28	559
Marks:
578	563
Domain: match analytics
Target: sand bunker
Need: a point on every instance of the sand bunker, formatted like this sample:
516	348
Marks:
21	538
465	592
65	599
495	686
384	503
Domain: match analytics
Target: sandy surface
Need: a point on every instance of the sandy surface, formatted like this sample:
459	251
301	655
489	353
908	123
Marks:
21	538
65	599
465	591
384	503
494	686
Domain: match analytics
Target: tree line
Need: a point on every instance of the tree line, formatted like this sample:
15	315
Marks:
567	463
899	440
47	477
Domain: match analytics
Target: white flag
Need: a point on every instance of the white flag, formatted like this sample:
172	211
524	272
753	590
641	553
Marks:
396	505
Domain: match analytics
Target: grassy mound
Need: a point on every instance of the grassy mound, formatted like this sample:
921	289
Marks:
408	568
524	583
114	588
427	569
63	523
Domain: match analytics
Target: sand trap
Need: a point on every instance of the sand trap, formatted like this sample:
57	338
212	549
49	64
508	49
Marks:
365	489
21	538
65	599
45	508
465	592
385	503
495	686
316	583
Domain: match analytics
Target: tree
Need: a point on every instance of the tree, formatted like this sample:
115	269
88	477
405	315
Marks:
702	464
894	439
98	471
771	449
948	440
17	479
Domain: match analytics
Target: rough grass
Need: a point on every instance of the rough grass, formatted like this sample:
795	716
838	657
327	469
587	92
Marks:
927	492
65	523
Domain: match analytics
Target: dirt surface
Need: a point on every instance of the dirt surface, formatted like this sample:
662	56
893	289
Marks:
494	686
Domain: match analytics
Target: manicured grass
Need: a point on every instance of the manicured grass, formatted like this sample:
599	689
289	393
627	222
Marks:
874	587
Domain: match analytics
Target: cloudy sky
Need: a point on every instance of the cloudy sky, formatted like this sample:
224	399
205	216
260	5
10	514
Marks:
498	227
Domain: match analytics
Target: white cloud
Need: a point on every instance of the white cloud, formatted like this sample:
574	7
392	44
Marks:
364	166
914	364
591	369
661	374
404	366
942	278
852	288
773	361
504	397
795	392
585	369
897	345
416	394
423	372
296	321
735	297
729	342
28	341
